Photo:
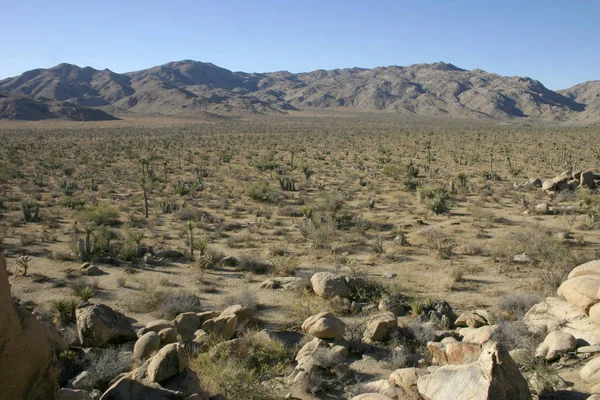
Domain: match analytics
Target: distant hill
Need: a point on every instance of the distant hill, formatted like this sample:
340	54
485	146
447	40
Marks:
190	87
587	93
27	108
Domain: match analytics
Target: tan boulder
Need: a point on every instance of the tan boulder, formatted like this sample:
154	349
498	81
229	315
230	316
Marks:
581	291
99	325
28	365
187	324
168	335
548	186
478	335
378	329
223	326
407	378
474	319
168	362
145	347
74	394
158	325
454	352
588	268
372	396
329	285
553	314
324	326
555	343
493	376
243	314
590	372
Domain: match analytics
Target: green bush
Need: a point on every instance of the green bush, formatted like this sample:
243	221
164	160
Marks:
262	192
99	215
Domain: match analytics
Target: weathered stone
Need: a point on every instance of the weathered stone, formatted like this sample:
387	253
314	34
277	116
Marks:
588	349
407	378
554	314
223	326
100	325
159	325
542	208
145	347
285	283
454	352
206	315
74	394
493	376
556	342
243	314
372	396
328	285
80	381
478	335
581	291
588	268
324	326
187	324
168	335
379	327
548	186
168	362
587	179
474	319
28	365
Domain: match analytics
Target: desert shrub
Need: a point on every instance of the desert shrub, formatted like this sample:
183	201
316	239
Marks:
242	372
64	310
105	366
244	297
515	305
177	303
321	233
263	192
84	289
438	241
99	215
252	264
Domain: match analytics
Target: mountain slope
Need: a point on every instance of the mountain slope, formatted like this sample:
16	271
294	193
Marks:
587	93
29	109
190	87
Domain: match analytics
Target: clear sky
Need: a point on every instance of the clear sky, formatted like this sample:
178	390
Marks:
556	42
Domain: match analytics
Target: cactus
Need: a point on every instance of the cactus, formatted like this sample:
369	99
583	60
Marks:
287	184
85	247
30	211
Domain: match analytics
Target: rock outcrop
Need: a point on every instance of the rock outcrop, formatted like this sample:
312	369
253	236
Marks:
28	363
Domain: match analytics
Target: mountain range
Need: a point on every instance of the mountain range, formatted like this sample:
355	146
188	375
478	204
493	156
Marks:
191	87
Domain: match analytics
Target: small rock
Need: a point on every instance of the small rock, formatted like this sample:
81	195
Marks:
521	258
328	285
556	342
379	327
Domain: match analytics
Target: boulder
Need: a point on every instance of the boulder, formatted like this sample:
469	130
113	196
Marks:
555	343
324	326
328	285
206	315
168	362
187	324
407	378
317	356
243	314
372	396
474	319
548	186
199	343
454	352
145	347
587	179
100	325
28	364
80	381
223	326
542	208
588	268
158	325
137	385
74	394
581	291
380	326
493	376
573	184
285	283
92	270
168	335
478	335
554	314
590	373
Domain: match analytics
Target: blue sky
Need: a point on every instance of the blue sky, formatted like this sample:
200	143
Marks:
556	42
